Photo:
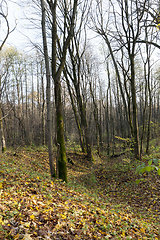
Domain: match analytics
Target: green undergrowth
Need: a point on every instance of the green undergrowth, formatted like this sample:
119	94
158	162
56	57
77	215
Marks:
91	206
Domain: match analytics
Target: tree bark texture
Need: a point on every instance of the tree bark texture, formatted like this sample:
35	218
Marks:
48	93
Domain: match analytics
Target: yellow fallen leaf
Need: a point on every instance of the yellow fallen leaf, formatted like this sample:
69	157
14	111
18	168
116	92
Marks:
142	230
1	185
32	217
63	216
1	221
27	224
16	237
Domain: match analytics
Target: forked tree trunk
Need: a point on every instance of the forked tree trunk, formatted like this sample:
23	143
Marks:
56	75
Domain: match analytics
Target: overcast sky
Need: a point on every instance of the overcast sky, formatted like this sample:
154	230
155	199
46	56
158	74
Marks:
21	36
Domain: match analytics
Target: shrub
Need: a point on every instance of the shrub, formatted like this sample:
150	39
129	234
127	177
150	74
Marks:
152	165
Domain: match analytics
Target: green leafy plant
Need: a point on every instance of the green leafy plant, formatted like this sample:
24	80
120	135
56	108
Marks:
152	165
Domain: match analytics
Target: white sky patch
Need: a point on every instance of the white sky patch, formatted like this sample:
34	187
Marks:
23	34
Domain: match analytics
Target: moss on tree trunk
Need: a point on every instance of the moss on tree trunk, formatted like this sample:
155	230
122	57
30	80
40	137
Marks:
62	160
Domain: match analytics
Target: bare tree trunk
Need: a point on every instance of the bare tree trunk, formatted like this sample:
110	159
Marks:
43	108
2	137
27	140
62	167
98	126
134	108
56	74
149	117
48	93
75	114
113	124
143	115
81	105
107	111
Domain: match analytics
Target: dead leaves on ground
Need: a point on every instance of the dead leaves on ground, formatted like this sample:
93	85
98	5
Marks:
33	207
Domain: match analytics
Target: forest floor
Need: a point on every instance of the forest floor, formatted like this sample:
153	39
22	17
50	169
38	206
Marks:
100	201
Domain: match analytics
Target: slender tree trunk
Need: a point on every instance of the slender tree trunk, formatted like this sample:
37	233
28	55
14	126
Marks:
143	117
48	93
2	137
43	108
98	126
134	108
82	113
57	68
81	139
107	111
62	167
56	75
112	123
149	117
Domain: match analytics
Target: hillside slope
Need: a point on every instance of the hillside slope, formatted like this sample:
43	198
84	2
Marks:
34	207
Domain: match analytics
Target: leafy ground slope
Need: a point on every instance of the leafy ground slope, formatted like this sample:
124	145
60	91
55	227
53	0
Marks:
101	200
